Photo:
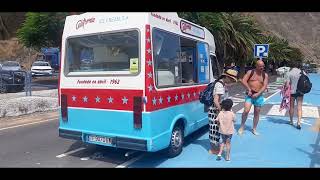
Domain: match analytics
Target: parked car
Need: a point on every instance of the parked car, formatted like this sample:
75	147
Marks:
313	68
11	66
11	81
41	68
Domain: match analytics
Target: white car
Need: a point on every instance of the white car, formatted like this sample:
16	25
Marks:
41	68
283	70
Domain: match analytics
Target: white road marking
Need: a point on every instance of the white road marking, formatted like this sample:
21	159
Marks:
235	99
70	152
250	112
273	85
84	158
264	118
308	111
272	95
27	124
274	111
127	163
302	122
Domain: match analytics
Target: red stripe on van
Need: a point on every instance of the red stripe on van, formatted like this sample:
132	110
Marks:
101	98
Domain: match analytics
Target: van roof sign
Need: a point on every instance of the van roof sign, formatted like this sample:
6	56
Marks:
191	29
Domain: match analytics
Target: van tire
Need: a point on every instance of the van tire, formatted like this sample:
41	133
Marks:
176	141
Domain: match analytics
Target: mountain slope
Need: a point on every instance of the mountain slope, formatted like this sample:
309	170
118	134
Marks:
301	29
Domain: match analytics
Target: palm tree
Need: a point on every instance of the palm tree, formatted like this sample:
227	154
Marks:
244	34
235	35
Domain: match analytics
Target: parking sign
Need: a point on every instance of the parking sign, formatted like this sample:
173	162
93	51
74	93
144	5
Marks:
261	50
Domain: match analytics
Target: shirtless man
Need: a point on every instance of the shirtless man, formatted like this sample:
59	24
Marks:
255	85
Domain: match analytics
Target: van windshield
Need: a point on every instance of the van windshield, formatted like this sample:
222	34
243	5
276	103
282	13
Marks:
10	64
109	53
41	64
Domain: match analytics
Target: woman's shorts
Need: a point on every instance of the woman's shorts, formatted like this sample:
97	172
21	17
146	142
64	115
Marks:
296	95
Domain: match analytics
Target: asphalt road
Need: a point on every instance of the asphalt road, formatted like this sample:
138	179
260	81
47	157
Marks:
44	83
38	145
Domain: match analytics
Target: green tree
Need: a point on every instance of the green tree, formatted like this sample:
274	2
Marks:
245	33
42	29
235	34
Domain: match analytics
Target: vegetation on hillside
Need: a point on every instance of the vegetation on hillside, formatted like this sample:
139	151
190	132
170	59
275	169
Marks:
235	35
42	29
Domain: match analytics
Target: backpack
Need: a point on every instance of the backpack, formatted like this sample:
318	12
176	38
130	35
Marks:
263	75
304	85
206	96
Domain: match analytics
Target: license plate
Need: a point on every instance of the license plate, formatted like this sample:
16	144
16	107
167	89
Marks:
100	139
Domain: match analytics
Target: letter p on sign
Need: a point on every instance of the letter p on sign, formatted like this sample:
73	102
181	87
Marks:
261	50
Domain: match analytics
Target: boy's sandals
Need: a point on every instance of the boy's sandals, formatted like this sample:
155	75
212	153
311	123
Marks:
218	157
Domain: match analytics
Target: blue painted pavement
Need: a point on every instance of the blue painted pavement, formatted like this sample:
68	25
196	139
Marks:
312	98
279	144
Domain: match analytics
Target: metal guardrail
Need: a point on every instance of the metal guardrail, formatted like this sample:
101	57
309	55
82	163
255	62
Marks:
8	80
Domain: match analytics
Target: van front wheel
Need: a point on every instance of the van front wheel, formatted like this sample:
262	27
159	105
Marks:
176	141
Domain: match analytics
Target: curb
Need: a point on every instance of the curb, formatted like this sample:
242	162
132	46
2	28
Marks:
28	118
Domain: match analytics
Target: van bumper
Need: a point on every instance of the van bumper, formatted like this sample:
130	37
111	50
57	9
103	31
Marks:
117	141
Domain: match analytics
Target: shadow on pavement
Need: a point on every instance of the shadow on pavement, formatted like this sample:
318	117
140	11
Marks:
100	153
246	127
76	145
315	154
277	120
154	159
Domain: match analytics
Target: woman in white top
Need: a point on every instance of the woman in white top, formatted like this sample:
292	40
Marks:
219	94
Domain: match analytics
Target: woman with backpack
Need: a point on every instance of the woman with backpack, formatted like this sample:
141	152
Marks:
300	85
219	94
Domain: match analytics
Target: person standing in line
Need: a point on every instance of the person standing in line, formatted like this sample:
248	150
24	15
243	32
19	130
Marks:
219	93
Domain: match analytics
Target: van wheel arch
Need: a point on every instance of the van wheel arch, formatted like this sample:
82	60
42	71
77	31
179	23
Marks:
176	139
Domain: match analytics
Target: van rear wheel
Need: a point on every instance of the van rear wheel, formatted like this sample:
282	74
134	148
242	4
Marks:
176	141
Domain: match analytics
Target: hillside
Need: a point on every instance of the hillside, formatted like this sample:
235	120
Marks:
9	23
301	29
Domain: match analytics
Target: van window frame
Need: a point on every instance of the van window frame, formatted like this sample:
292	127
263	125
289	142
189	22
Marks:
197	56
102	73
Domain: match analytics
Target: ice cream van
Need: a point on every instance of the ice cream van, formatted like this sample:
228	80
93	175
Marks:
132	80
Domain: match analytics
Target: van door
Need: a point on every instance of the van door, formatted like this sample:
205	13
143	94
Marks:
203	62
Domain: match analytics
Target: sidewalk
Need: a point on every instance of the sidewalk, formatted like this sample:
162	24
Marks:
7	122
41	116
278	145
